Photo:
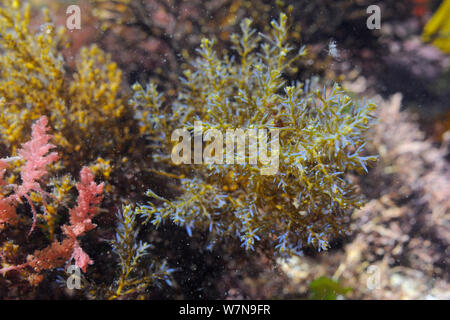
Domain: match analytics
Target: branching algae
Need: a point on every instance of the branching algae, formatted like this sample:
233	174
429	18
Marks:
35	80
321	136
134	276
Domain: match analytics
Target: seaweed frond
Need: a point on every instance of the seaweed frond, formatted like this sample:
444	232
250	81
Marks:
308	200
134	276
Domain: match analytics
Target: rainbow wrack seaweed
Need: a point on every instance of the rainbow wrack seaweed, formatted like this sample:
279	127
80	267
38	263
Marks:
321	136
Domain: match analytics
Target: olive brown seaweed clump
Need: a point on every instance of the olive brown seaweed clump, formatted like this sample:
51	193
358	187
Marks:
86	106
321	139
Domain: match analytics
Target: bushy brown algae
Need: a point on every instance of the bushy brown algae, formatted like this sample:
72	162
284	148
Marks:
321	140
